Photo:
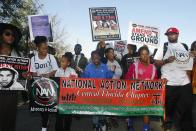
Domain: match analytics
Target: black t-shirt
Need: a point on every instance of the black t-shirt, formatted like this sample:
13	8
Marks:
127	60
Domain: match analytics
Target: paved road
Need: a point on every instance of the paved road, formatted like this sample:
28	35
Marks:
27	121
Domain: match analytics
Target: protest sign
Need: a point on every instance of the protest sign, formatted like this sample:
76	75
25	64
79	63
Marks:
111	97
104	24
119	46
119	49
11	70
39	25
43	95
139	34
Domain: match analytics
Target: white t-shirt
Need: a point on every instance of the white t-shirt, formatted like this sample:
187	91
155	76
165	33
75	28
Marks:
65	73
118	70
79	56
43	66
175	76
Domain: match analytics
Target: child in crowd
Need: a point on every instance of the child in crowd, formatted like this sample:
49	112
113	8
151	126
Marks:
96	69
63	123
142	70
112	63
43	65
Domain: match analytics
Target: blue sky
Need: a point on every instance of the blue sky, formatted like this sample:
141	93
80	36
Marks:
74	16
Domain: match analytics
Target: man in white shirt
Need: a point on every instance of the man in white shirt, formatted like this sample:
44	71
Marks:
178	88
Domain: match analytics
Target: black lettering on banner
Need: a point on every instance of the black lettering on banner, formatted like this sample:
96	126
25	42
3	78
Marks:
140	38
41	66
115	85
69	97
135	86
156	100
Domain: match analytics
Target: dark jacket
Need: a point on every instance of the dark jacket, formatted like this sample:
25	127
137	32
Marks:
101	52
126	61
82	64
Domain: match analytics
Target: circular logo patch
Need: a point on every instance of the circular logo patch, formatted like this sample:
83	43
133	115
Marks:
44	91
182	56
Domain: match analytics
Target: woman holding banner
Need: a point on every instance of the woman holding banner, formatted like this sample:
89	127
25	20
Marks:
9	38
63	122
142	70
43	65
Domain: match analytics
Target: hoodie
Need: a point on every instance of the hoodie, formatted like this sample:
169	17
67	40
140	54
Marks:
13	84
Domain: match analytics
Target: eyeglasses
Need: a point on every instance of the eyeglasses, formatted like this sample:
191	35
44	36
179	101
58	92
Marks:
8	33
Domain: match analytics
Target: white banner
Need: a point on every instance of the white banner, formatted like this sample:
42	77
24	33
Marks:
143	35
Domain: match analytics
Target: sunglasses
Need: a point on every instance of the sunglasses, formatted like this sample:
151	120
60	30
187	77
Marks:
7	33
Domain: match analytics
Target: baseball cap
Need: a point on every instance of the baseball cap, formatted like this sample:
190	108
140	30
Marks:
172	30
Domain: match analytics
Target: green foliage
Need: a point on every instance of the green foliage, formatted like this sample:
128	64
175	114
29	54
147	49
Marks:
16	12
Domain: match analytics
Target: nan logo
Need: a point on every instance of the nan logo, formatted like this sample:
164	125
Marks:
44	92
182	57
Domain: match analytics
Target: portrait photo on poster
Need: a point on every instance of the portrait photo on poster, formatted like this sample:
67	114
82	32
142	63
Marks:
9	79
104	23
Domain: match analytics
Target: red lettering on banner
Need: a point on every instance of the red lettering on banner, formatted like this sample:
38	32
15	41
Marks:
141	31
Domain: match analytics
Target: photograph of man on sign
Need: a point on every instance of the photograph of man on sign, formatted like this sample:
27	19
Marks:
8	79
104	23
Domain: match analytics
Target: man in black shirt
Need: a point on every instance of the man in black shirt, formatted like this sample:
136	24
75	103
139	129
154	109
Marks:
129	58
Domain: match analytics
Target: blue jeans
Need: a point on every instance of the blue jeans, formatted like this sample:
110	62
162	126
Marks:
97	119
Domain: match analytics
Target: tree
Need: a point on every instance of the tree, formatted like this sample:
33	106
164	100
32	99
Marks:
16	12
59	36
8	9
